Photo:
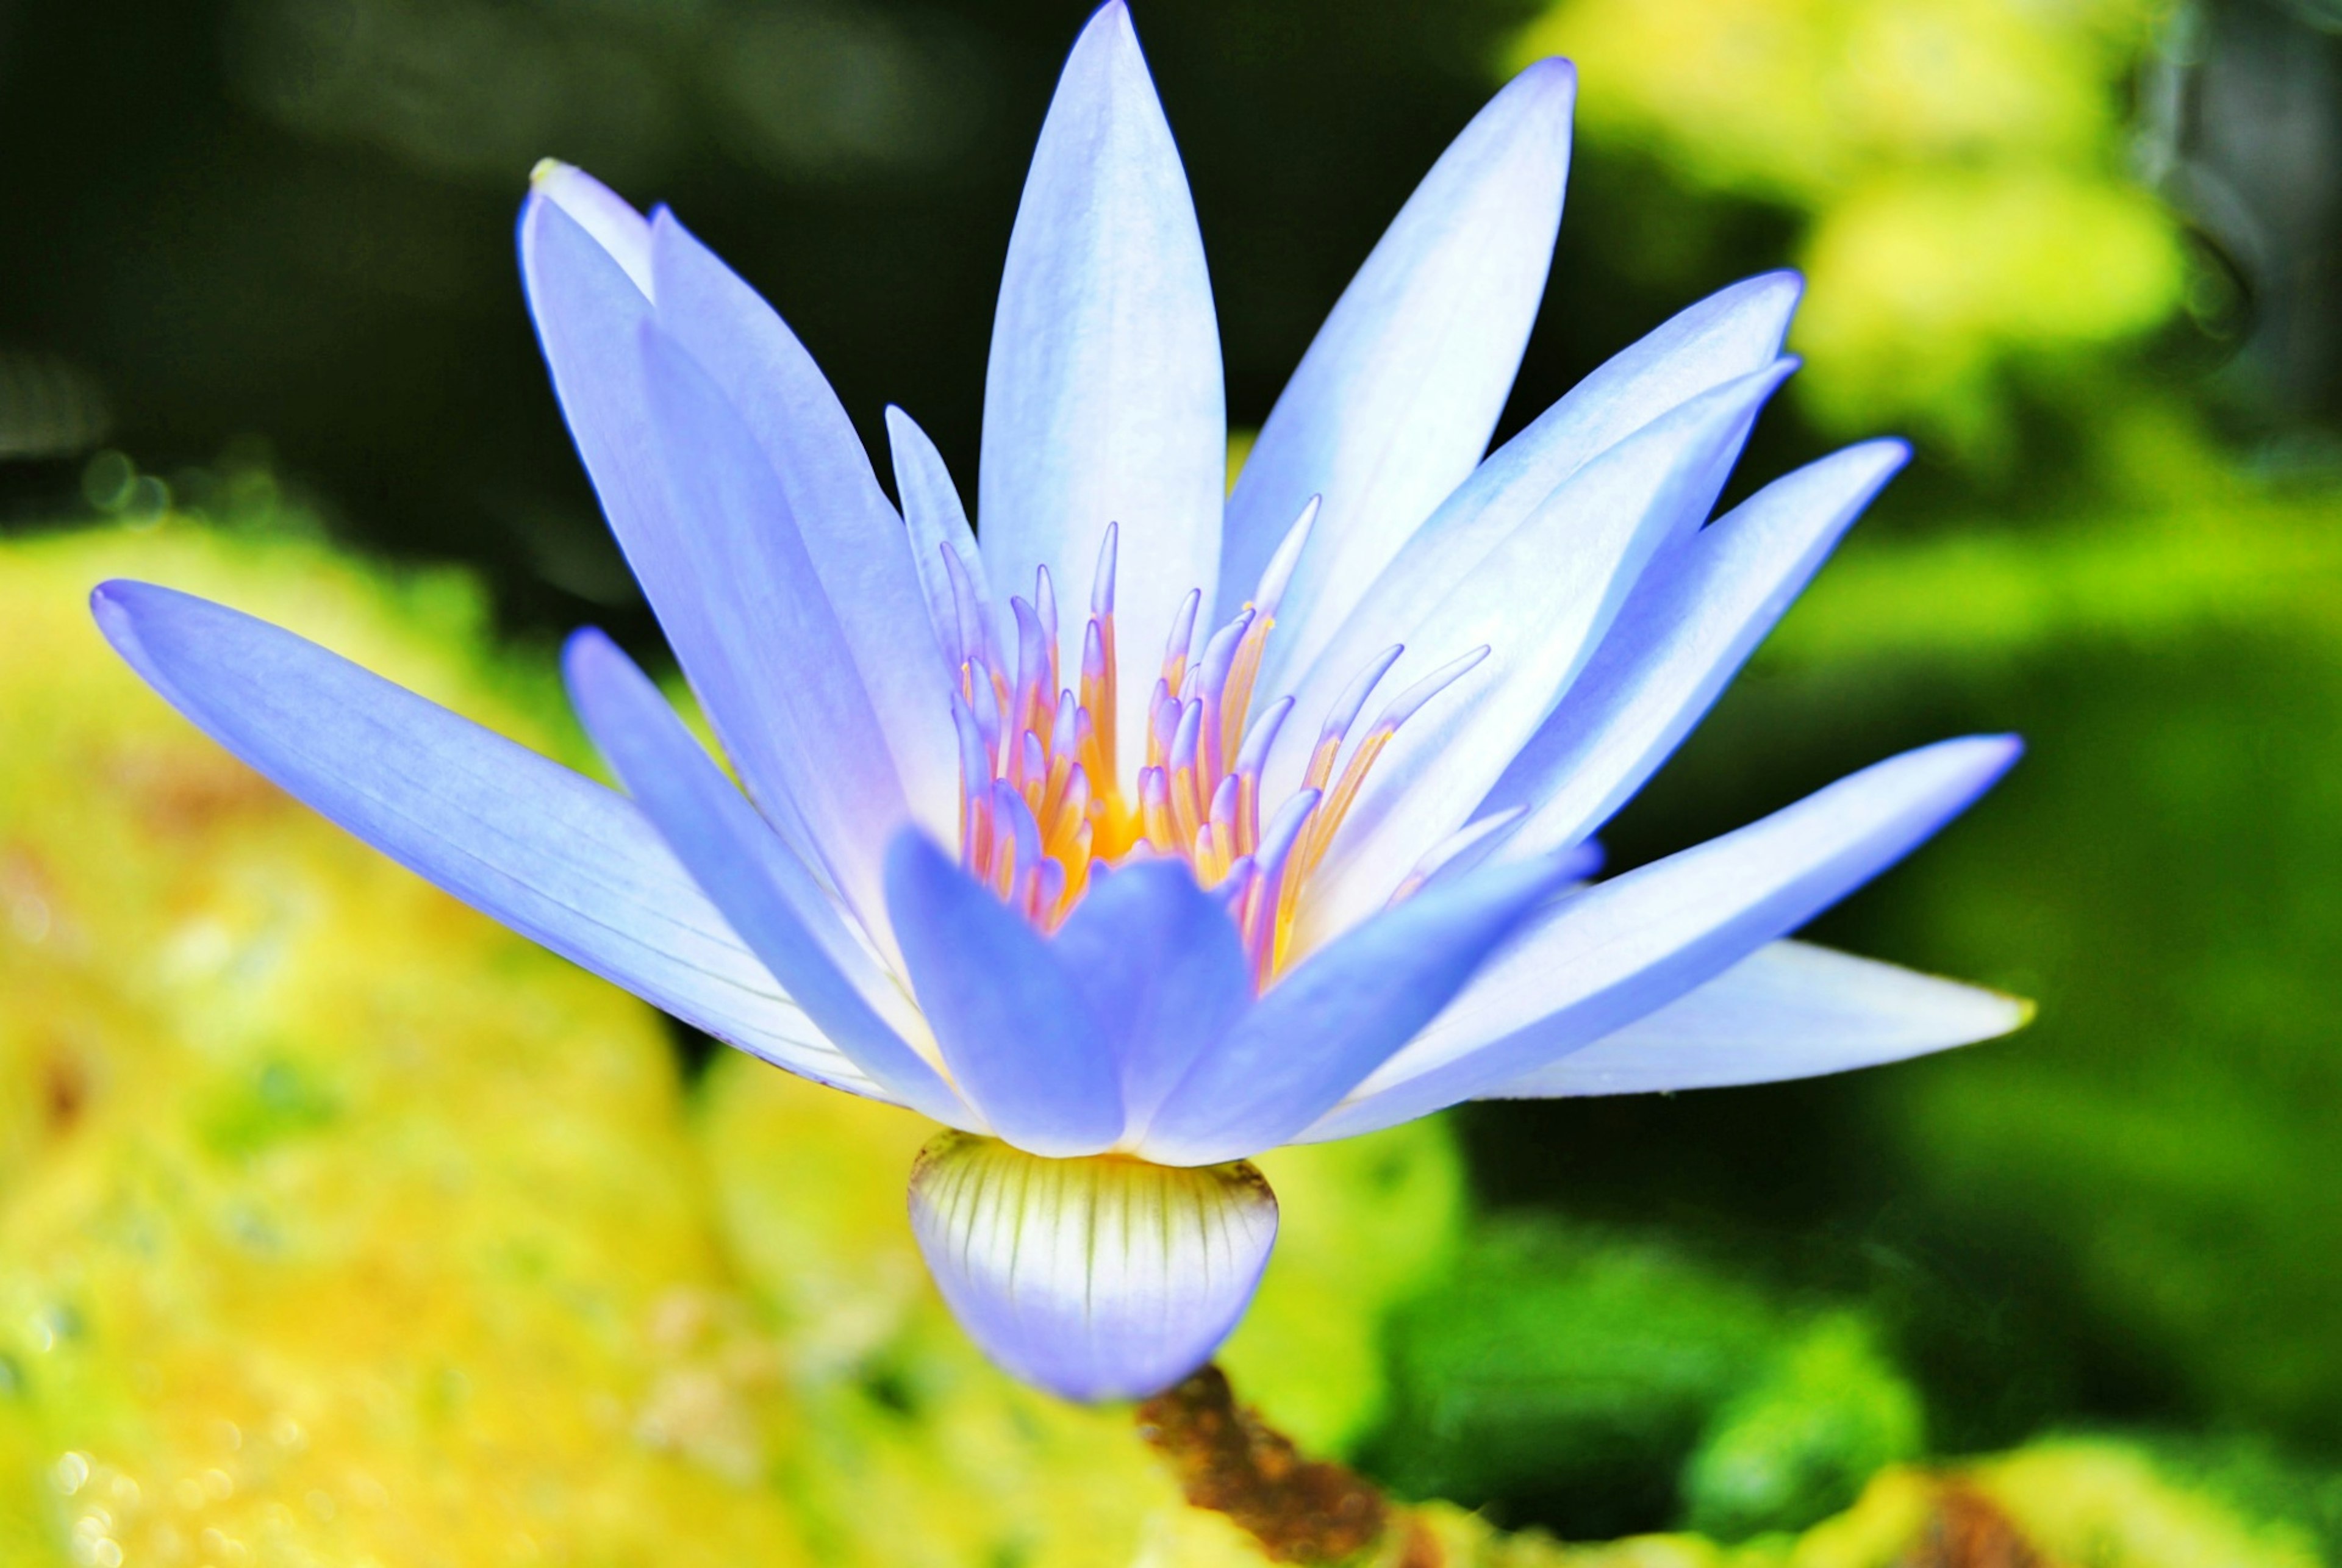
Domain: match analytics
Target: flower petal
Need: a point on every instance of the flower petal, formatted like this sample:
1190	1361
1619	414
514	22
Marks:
1788	1010
937	523
710	579
1626	947
624	233
1732	334
1102	401
1540	602
762	888
814	724
1333	1020
1690	624
1396	399
557	857
1163	971
1019	1039
1095	1279
850	532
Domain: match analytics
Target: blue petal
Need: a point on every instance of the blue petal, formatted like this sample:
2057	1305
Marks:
850	534
763	890
1095	1279
1163	972
708	578
555	855
1102	402
624	234
1786	1011
1697	615
1730	335
815	725
1019	1038
937	521
1397	396
1333	1020
1541	601
1628	946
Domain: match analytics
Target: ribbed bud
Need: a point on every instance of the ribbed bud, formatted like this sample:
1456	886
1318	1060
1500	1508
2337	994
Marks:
1098	1278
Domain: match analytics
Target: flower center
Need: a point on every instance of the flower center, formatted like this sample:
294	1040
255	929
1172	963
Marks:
1043	804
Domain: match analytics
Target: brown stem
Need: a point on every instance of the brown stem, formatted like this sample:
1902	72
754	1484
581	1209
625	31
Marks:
1300	1510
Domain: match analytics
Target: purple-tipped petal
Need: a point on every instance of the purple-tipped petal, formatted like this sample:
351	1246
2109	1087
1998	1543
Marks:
1330	1023
1095	1279
1021	1042
1735	333
551	853
1697	615
850	532
1541	601
1160	964
767	894
1626	947
1396	399
1788	1010
1102	401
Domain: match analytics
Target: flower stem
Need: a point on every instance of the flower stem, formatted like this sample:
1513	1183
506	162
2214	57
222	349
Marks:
1300	1510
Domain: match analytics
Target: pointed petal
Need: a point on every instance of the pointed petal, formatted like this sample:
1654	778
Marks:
1395	400
763	891
1697	615
1019	1038
1788	1010
1730	335
1093	1279
820	751
1163	971
1102	402
549	853
622	233
1626	947
708	578
850	532
937	523
1339	1016
1541	601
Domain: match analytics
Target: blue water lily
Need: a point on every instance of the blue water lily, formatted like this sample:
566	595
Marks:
1155	826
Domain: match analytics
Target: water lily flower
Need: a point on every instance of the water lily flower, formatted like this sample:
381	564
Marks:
1153	826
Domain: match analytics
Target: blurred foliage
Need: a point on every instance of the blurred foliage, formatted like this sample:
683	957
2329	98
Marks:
1569	1372
1958	166
337	1224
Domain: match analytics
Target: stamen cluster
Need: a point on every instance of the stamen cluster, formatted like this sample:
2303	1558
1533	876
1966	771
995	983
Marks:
1043	804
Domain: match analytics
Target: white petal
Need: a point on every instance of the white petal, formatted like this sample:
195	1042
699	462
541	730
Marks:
1102	400
1095	1279
1788	1010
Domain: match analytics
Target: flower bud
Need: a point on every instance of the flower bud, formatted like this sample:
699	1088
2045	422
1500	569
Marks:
1098	1278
